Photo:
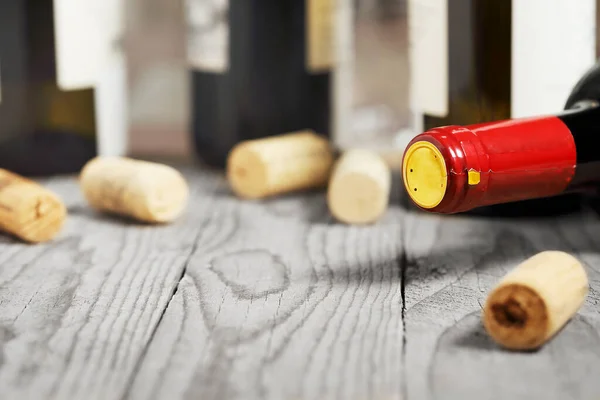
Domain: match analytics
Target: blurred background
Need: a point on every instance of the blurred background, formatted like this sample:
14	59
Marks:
159	79
138	77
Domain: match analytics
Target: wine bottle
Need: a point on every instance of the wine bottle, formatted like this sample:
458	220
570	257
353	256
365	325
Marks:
54	57
453	169
258	68
478	61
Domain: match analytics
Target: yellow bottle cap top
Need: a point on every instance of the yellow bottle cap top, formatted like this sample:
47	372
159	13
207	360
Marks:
424	173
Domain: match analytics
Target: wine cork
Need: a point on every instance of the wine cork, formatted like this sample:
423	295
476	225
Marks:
279	164
359	187
28	210
535	300
142	190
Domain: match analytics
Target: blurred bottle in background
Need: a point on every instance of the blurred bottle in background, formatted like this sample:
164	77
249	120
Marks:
61	84
338	67
259	68
478	61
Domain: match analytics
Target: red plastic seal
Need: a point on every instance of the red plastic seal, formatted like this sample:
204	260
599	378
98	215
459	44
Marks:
502	161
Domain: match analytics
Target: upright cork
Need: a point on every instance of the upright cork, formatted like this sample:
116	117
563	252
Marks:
142	190
279	164
359	187
29	211
535	300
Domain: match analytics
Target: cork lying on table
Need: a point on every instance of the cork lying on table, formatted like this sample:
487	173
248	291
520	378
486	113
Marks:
535	300
279	164
28	210
358	191
142	190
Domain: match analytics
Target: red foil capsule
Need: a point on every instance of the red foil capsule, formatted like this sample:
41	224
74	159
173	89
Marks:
455	169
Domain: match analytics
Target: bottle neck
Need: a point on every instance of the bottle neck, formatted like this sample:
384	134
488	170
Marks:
453	169
583	122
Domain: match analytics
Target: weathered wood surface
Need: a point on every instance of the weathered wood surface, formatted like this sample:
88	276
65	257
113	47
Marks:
452	263
280	303
275	300
76	314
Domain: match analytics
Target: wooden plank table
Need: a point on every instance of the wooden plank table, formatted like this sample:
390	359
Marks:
275	300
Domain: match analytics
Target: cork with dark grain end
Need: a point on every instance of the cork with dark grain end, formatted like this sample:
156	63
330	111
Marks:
535	300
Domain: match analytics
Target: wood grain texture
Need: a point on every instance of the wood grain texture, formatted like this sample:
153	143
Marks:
277	305
76	314
273	299
452	263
